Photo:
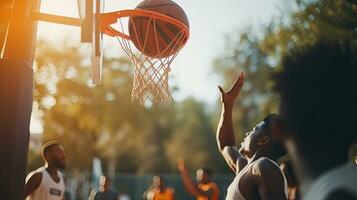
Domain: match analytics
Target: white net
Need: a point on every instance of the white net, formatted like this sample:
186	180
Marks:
151	74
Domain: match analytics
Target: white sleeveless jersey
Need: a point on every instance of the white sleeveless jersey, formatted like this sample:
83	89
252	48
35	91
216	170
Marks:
48	188
341	178
233	191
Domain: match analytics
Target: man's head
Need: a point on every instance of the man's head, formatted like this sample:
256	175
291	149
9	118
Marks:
204	175
159	182
262	138
317	87
53	154
104	183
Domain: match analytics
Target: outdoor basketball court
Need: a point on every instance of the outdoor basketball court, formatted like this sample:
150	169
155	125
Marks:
163	45
151	35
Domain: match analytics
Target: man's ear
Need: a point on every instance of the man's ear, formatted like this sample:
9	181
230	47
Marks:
264	140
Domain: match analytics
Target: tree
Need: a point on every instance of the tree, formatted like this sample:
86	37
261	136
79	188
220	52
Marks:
243	52
102	121
312	20
301	22
193	138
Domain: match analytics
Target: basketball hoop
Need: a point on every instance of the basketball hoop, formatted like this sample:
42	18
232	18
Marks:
151	72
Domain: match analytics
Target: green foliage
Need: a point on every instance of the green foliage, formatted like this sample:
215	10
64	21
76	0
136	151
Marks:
310	21
300	23
244	53
102	121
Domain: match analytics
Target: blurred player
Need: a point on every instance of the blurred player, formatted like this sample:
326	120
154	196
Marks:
105	192
158	190
205	189
46	183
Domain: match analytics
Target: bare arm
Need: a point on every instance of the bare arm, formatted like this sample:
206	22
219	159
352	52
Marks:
32	183
225	131
189	185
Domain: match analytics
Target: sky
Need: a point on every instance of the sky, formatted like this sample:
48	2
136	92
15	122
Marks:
210	21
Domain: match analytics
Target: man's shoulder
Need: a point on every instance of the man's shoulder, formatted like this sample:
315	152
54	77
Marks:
38	170
266	168
35	174
264	163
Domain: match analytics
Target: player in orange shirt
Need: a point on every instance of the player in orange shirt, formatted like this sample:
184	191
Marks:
159	191
205	189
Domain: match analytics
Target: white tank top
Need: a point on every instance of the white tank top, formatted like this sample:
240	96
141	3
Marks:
233	192
341	178
48	188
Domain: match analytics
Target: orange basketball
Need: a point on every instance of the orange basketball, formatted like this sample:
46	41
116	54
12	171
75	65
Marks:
156	39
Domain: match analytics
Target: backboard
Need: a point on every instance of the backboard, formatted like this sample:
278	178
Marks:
89	13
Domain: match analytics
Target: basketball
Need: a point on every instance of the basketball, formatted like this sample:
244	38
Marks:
155	38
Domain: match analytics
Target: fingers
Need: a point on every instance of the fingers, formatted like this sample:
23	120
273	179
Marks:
181	164
238	83
240	80
241	77
221	90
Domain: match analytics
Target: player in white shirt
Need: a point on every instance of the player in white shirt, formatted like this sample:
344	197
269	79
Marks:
46	183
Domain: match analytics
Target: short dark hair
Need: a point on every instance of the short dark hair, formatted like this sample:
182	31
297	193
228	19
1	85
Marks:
47	146
317	88
276	145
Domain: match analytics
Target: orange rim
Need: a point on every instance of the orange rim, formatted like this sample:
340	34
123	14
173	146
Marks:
107	19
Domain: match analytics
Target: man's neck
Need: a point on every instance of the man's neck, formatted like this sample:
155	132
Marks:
311	164
51	169
259	154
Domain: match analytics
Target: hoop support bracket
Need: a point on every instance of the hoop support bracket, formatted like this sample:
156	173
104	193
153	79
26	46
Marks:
57	19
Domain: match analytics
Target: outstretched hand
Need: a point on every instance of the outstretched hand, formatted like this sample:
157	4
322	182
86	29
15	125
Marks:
181	165
228	97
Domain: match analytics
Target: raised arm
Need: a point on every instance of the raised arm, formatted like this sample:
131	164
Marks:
189	185
225	131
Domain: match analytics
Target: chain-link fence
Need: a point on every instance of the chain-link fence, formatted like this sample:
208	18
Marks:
79	186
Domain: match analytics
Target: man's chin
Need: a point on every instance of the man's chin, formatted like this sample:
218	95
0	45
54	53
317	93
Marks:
61	167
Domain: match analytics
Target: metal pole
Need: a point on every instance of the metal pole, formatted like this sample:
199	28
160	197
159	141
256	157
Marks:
16	88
